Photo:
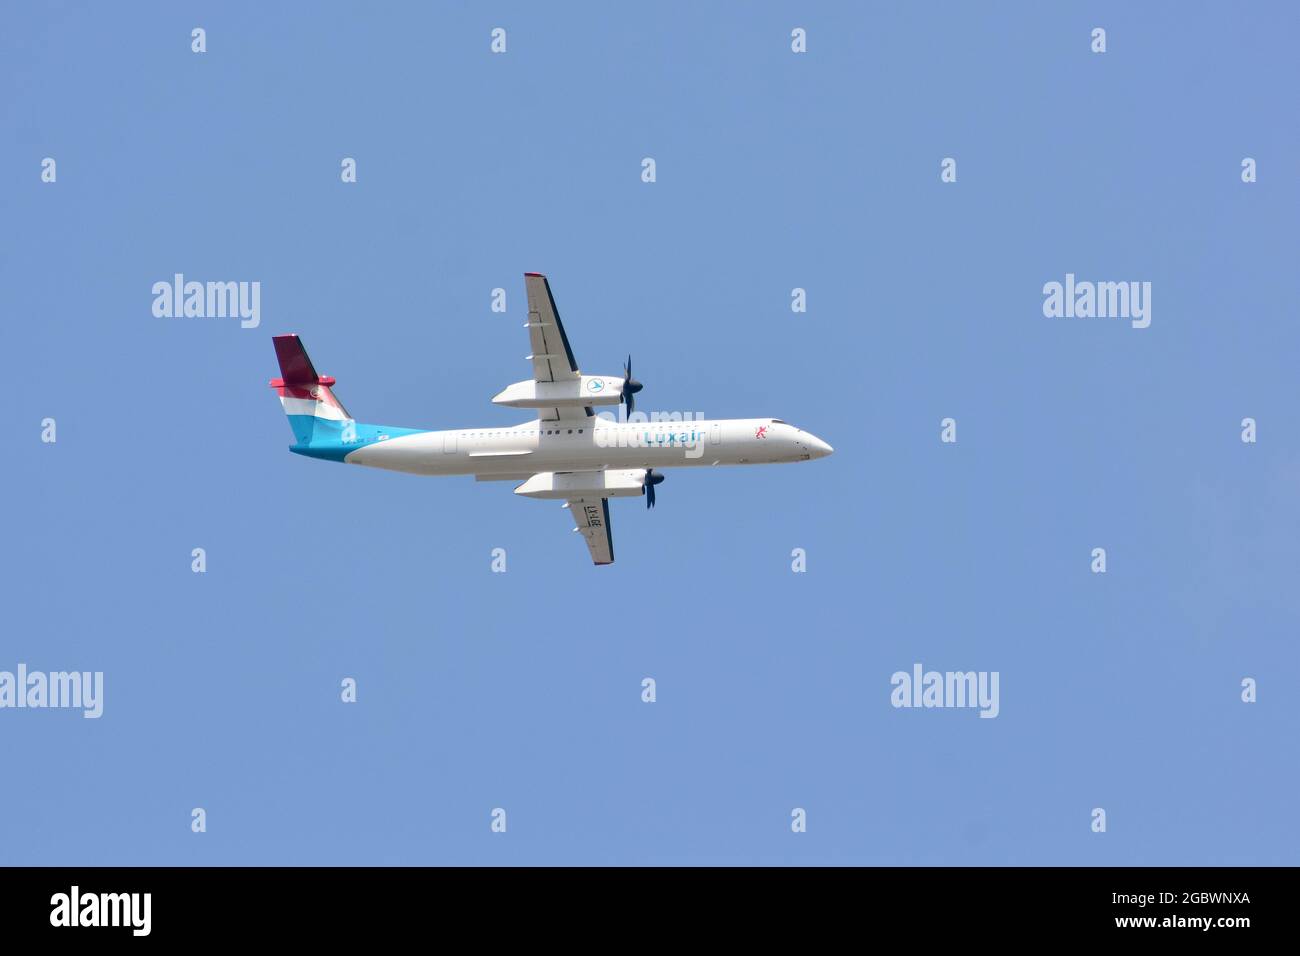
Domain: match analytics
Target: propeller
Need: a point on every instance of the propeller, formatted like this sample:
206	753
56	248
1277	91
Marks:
630	386
651	479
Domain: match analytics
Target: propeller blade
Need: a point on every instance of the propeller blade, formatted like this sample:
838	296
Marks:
651	479
630	385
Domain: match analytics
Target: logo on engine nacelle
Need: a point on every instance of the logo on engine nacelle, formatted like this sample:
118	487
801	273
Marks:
596	385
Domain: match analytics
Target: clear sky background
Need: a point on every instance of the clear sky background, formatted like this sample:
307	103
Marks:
523	690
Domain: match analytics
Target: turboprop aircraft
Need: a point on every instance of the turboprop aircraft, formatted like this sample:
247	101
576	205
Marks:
568	453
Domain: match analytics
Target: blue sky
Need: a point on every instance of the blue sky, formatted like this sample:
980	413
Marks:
774	171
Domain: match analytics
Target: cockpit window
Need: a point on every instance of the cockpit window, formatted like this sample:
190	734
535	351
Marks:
777	421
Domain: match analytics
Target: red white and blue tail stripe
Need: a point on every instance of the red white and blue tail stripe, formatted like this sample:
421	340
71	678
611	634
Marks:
322	427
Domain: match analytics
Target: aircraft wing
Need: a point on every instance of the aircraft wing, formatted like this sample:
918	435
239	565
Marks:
591	516
551	355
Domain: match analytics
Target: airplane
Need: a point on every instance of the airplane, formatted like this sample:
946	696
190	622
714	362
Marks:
567	453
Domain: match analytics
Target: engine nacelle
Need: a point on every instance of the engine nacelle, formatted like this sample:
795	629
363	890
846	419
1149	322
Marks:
587	390
626	483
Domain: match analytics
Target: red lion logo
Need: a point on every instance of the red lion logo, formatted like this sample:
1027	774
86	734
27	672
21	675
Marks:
762	432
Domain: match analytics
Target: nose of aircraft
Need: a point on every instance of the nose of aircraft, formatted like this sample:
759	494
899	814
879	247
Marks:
817	447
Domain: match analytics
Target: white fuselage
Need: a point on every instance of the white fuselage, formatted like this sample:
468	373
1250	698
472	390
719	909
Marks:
592	444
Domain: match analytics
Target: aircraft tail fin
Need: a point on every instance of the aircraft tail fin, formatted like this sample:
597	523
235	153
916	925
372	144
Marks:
308	399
